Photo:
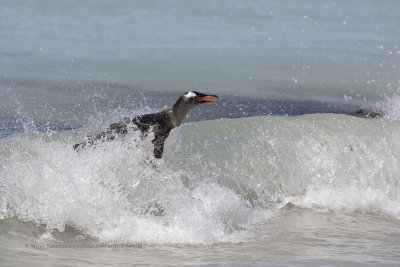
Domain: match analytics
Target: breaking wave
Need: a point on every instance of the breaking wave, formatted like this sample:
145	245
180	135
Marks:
217	180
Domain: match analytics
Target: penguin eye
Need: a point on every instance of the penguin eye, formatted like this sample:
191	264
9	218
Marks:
195	97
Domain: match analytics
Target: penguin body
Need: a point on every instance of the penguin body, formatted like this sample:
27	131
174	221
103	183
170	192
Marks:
161	123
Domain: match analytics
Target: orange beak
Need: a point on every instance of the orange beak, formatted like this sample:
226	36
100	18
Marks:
208	98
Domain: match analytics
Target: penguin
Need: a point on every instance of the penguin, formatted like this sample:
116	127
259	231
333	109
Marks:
161	123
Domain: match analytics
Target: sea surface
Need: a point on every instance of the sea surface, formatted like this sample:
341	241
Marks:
298	164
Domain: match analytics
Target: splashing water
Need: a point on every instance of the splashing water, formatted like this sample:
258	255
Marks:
390	107
114	192
217	180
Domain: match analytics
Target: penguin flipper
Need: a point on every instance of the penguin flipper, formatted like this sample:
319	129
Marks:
158	142
158	145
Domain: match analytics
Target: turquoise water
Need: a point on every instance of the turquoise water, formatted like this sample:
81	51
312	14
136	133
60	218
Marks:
279	172
300	50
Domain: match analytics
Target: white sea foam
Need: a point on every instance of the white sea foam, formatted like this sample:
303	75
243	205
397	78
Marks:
218	178
353	198
390	107
115	192
329	161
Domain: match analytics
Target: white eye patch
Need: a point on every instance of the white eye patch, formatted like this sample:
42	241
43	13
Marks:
190	94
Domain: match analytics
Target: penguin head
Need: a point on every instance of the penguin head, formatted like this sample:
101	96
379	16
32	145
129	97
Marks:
195	98
186	102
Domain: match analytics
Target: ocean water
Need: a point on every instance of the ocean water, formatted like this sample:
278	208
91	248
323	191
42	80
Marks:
289	168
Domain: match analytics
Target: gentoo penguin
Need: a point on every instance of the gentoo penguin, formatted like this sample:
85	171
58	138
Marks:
160	123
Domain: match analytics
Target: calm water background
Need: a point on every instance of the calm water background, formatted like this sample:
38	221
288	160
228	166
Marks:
300	50
307	190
